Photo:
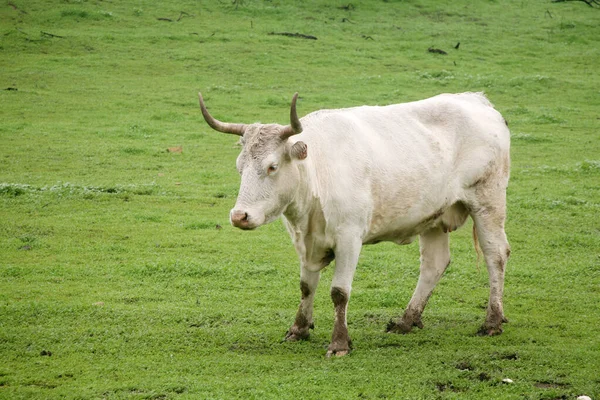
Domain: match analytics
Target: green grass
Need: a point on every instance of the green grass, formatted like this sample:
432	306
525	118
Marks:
120	276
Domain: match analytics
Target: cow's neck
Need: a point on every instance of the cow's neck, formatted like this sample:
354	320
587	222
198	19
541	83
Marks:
306	201
307	225
297	209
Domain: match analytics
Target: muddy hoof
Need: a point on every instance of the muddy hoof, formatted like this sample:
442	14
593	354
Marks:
295	334
402	326
339	348
293	337
337	353
487	331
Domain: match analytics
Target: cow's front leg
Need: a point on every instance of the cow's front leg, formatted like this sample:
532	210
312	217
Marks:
346	253
304	317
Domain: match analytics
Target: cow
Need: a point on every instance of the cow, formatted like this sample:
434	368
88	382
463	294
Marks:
342	178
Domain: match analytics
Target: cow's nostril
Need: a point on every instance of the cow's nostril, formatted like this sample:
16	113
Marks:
239	217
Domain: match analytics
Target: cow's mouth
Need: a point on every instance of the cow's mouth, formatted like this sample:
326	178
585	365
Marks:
247	227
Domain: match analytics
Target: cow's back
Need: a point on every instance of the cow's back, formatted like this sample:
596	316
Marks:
385	167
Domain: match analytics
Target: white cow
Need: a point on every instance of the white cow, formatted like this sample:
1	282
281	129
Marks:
348	177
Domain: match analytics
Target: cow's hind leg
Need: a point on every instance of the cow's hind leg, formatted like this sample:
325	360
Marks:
489	225
435	257
300	330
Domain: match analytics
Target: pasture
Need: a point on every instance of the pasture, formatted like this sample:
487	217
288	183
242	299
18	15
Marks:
121	277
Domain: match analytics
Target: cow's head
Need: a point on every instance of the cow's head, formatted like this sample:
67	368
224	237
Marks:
269	179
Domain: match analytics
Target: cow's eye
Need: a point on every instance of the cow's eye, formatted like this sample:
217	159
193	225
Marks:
272	168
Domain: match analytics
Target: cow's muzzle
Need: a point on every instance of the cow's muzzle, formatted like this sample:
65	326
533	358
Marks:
240	219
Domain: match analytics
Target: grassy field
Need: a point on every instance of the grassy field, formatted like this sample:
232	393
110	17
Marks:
120	276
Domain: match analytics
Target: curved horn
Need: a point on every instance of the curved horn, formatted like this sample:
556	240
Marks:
295	126
236	129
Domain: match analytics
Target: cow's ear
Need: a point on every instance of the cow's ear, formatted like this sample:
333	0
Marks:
299	150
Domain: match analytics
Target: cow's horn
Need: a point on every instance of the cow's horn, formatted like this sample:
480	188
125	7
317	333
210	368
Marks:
236	129
295	126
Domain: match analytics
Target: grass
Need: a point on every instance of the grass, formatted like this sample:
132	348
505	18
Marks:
120	276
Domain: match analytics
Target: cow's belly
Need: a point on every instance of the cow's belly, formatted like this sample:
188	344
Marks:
403	229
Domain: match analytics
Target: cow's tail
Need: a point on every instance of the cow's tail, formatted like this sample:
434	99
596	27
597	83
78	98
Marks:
476	245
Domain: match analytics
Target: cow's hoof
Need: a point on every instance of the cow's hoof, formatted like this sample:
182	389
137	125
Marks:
402	326
295	334
339	348
489	331
338	353
398	327
294	337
